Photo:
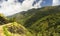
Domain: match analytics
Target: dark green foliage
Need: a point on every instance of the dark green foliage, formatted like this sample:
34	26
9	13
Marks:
14	29
3	20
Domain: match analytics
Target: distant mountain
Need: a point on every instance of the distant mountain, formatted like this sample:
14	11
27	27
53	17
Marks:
43	21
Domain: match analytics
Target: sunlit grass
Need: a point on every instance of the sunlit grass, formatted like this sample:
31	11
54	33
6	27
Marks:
6	32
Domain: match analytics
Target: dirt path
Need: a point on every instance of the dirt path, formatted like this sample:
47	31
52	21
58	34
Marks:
1	31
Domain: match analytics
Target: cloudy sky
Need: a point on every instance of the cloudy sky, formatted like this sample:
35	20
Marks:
10	7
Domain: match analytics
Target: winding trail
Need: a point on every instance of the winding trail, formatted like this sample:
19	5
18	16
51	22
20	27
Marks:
1	31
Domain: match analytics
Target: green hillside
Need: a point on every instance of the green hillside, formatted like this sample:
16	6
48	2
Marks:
43	21
8	28
15	29
3	19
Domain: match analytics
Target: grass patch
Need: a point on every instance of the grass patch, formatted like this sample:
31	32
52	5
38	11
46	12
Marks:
5	31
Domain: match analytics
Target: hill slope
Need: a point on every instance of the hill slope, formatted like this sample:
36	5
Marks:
3	19
13	29
40	22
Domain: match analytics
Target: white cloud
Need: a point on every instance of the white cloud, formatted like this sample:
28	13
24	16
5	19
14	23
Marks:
10	7
37	5
27	4
56	2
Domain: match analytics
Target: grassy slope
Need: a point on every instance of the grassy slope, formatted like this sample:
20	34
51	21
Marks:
14	28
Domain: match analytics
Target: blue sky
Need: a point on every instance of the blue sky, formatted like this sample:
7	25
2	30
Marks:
44	3
36	1
21	1
10	7
47	3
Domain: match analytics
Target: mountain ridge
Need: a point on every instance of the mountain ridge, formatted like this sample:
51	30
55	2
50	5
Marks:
40	21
